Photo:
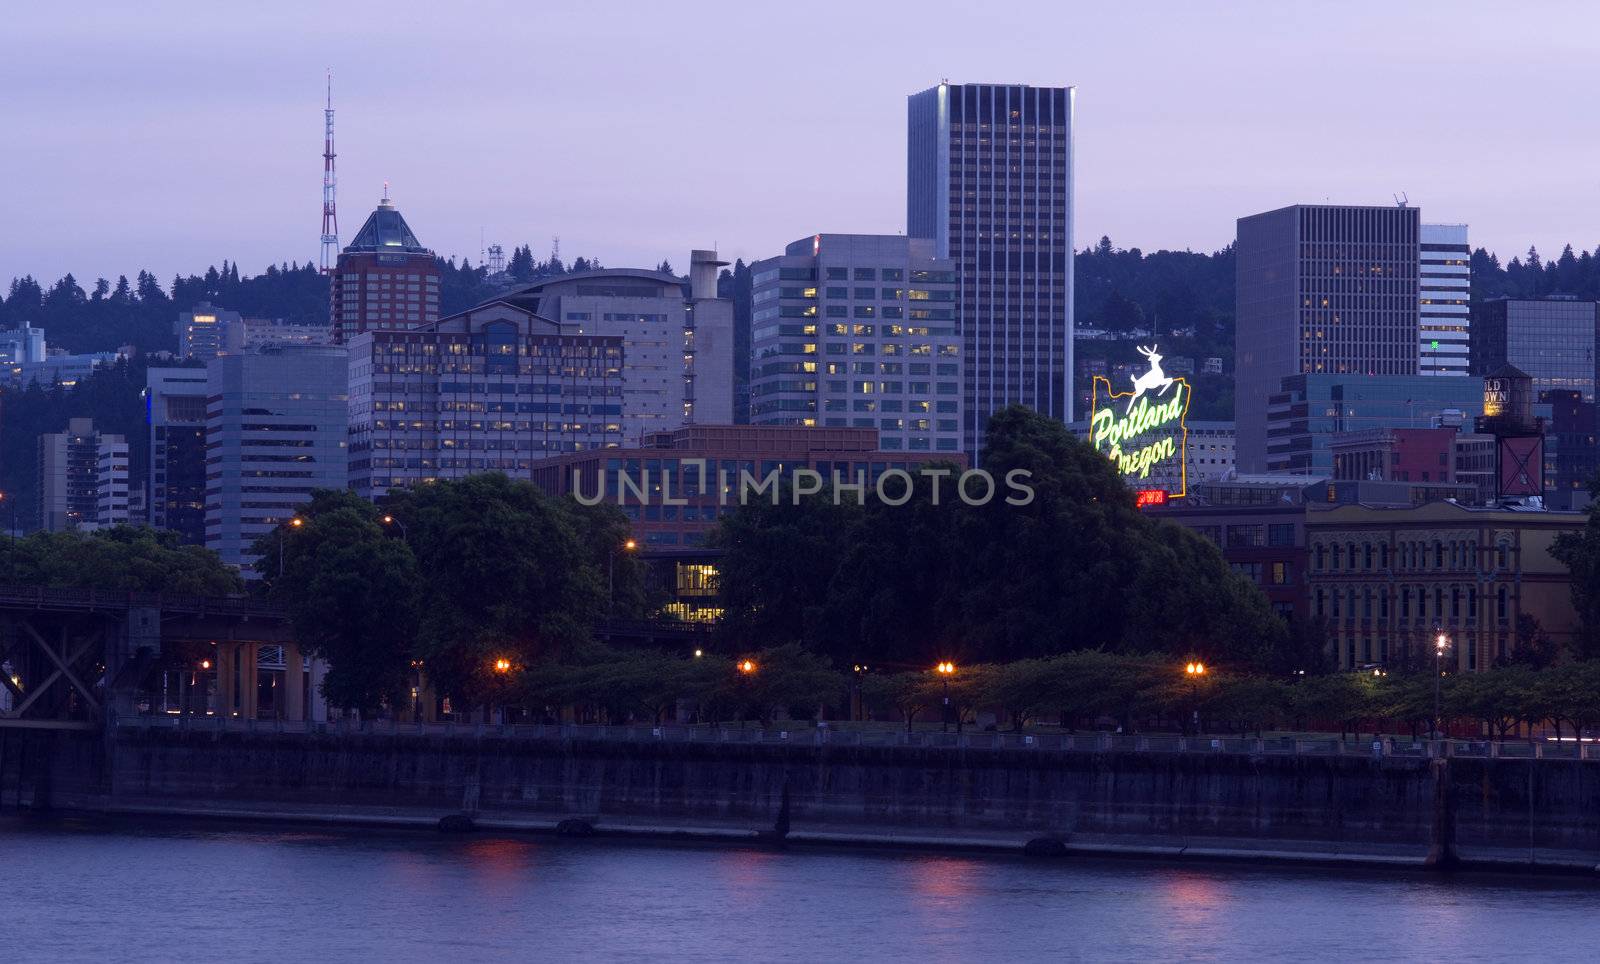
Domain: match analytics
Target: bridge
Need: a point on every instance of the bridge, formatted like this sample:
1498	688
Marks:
79	658
76	658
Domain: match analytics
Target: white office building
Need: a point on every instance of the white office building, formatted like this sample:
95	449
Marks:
1444	279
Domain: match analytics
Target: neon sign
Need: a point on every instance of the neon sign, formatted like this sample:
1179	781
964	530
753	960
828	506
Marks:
1147	437
1146	497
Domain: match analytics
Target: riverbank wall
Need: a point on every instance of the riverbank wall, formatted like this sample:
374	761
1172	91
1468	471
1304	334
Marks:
1252	805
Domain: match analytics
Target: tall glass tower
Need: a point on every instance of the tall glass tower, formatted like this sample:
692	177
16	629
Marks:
989	179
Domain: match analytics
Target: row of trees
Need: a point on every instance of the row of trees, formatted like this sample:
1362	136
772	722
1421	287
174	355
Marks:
1084	689
454	576
1076	568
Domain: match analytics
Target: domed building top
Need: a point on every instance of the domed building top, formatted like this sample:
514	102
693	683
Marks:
386	232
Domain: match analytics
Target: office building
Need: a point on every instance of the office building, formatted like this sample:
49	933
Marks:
677	338
699	468
175	414
1259	526
1387	581
22	345
492	389
989	179
1209	449
200	331
1551	339
1444	279
1321	290
859	330
1307	412
254	334
82	478
385	278
275	430
1572	450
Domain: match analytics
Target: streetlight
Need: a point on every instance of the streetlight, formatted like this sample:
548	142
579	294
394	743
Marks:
747	667
611	575
295	522
502	665
1194	671
390	520
1441	643
945	669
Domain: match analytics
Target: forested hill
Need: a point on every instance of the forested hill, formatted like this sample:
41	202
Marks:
1119	290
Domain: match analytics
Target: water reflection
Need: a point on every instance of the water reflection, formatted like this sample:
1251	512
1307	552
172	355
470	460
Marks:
369	896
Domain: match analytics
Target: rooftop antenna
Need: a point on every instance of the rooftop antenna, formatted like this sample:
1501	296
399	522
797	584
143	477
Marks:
1401	199
330	219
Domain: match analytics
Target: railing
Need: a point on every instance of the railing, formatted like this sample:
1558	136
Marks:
807	735
46	597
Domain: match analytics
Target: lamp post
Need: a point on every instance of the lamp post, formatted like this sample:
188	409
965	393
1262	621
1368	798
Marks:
611	575
1194	671
945	669
390	520
1441	642
295	522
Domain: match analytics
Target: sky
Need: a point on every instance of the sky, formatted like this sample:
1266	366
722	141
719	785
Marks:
173	135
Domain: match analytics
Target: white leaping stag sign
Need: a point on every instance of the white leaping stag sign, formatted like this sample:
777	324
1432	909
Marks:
1155	378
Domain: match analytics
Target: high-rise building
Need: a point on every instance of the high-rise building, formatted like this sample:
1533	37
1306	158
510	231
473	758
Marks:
989	179
175	411
1553	340
1320	290
276	425
1444	280
200	330
254	334
677	338
492	389
859	330
83	478
385	278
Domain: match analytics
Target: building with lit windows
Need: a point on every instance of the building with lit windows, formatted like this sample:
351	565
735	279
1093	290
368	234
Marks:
1387	581
1321	290
175	412
385	278
202	331
1444	279
1553	340
82	478
989	179
859	331
496	388
275	431
677	338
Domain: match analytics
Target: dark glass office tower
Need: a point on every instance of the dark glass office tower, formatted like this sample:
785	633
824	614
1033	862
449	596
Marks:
989	179
1321	289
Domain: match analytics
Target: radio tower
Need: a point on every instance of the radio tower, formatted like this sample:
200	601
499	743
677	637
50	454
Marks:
330	219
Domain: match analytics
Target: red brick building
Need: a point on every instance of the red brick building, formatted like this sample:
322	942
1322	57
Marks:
385	279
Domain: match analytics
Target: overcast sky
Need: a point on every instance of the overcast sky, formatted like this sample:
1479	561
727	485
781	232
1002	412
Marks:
173	135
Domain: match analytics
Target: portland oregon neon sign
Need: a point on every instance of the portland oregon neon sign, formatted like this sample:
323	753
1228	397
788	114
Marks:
1144	431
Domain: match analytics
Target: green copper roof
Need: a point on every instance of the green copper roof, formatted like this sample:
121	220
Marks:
386	230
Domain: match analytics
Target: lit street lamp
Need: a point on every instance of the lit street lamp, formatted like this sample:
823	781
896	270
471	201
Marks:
295	522
1440	644
945	669
611	575
1194	671
390	520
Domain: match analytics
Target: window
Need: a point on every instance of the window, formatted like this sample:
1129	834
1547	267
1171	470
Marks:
866	274
1280	573
1280	534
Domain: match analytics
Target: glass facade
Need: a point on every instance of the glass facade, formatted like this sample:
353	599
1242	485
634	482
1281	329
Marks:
1551	340
1309	410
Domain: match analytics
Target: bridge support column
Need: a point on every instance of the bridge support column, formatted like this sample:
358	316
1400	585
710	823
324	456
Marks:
294	684
225	684
249	681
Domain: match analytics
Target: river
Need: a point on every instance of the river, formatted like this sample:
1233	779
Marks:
81	890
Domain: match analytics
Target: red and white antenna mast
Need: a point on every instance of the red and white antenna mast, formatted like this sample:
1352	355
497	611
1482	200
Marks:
330	219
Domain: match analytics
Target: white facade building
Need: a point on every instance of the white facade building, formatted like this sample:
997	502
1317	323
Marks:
1444	279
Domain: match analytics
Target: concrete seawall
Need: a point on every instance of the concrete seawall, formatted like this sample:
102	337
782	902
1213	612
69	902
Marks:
1506	812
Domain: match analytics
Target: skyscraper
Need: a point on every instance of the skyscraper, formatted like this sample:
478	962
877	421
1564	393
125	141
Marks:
859	330
276	425
83	478
1320	290
1552	339
201	330
989	179
1444	281
385	278
175	410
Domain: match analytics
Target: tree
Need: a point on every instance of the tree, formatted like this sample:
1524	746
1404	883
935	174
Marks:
1580	552
352	592
122	558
